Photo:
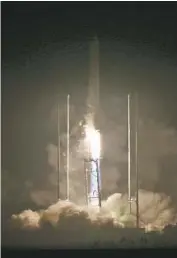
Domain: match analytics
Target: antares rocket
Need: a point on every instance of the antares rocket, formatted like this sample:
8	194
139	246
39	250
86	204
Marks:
94	189
94	89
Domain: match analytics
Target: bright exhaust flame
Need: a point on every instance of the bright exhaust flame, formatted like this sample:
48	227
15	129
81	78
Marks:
93	141
94	149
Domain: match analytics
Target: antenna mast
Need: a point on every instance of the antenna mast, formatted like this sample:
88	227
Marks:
136	159
129	156
68	147
58	153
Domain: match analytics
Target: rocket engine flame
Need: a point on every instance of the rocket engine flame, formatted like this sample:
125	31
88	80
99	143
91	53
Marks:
94	148
93	142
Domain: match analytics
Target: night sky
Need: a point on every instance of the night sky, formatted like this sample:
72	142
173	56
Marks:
45	55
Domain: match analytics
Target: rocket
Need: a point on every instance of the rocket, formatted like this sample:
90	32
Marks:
93	87
92	119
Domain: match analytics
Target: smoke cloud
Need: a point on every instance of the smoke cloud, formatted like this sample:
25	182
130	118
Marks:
71	225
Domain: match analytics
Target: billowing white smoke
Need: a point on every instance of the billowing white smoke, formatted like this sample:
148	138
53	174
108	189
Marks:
64	211
155	210
65	224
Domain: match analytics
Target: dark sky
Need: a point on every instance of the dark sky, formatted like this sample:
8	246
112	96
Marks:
39	40
45	53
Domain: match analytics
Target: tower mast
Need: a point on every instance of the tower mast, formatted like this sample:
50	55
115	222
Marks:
129	155
68	148
58	152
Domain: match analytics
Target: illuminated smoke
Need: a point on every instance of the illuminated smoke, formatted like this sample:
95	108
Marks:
155	209
65	224
65	215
